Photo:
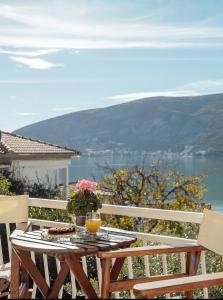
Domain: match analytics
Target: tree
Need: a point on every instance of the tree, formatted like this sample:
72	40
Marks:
155	187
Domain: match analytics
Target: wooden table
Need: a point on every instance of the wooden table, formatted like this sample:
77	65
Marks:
68	254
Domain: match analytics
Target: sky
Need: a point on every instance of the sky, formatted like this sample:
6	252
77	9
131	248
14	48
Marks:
62	56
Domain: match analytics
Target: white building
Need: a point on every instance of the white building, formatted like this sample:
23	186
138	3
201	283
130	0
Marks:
35	160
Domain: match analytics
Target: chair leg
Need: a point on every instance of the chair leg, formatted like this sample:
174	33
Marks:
106	278
14	285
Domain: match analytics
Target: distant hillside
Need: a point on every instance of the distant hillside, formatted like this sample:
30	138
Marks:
150	124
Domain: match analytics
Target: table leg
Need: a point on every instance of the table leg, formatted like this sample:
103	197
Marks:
34	273
15	274
106	278
117	268
80	276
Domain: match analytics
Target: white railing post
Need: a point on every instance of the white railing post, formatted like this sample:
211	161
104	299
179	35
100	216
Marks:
33	296
60	296
183	262
204	271
146	262
165	269
130	271
73	286
99	271
117	295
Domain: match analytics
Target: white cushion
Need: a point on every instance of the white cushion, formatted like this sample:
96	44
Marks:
13	209
211	231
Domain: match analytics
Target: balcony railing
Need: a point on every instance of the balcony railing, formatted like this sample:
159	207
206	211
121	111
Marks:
146	238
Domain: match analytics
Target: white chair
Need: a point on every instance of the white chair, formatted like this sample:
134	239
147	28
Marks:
211	238
13	209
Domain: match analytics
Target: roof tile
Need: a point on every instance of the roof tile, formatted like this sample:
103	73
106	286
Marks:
12	143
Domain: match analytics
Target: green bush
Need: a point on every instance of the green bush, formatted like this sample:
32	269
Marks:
5	185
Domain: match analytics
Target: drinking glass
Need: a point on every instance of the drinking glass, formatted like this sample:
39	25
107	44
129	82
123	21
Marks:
93	222
79	222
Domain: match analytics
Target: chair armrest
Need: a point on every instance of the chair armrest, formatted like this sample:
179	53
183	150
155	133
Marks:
152	289
150	250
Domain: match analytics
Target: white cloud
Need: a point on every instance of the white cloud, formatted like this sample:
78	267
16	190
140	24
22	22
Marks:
30	53
74	26
64	108
52	81
35	63
196	88
25	114
13	97
136	96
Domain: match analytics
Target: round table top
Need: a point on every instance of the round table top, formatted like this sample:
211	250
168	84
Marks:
33	241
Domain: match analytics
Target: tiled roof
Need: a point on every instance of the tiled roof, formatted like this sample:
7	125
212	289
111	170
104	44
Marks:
15	144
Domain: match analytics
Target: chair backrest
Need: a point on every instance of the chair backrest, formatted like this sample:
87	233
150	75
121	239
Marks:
13	209
211	231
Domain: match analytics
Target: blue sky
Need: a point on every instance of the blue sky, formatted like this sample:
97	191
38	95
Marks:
61	56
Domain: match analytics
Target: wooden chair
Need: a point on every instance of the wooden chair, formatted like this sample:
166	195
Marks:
13	209
209	235
211	238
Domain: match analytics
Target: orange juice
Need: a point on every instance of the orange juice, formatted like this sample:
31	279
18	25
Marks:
93	225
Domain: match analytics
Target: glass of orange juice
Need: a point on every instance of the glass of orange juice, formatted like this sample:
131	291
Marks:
93	222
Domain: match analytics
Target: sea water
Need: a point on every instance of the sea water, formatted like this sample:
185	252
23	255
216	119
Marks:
92	167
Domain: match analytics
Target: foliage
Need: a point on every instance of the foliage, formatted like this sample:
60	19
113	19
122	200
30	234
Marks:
155	187
48	214
9	184
5	186
37	189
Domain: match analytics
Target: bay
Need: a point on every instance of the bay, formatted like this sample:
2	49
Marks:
90	167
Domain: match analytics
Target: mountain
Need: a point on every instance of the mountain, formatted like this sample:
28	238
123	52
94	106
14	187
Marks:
150	124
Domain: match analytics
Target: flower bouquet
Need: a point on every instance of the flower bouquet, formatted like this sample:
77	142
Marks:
83	201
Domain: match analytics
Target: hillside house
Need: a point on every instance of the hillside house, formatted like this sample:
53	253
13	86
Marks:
35	160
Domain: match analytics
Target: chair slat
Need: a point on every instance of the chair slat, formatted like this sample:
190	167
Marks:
188	283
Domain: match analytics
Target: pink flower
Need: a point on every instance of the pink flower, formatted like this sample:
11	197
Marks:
85	184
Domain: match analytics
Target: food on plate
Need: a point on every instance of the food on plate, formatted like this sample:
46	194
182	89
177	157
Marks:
62	230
